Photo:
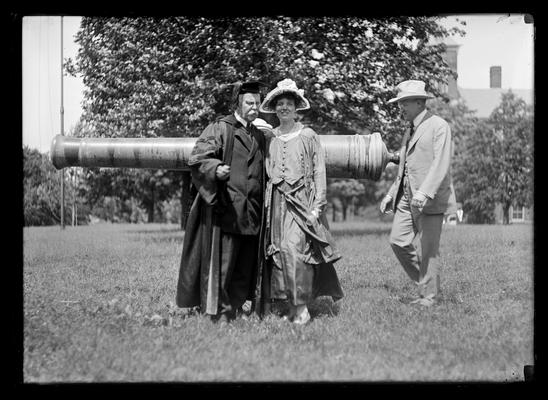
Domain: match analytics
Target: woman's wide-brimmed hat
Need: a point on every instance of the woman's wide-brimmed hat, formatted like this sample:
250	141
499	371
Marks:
411	89
284	86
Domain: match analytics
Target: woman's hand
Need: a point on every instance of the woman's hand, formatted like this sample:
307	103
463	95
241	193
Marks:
312	217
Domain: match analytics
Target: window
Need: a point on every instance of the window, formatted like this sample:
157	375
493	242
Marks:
518	213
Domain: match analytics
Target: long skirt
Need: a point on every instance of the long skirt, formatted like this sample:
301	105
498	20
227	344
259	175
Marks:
292	278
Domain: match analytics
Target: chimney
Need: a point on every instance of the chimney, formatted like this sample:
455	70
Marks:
496	76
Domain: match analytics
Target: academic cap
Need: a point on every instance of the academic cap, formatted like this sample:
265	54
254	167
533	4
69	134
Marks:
246	87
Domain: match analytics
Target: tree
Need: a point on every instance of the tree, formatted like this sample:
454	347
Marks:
474	174
42	190
150	187
471	167
493	158
512	126
347	192
35	173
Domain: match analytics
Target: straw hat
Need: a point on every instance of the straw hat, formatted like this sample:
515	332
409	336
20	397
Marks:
284	86
411	89
262	124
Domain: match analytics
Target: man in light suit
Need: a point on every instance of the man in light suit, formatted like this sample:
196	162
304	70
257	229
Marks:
422	191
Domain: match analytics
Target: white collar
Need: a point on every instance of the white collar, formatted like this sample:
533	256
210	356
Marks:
287	136
419	118
240	119
290	135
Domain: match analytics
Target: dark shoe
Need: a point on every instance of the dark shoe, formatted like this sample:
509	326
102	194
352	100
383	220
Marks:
241	313
221	318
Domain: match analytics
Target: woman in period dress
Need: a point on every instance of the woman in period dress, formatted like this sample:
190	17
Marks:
300	249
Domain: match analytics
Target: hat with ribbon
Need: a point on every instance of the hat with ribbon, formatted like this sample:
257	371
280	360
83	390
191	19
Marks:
284	86
411	89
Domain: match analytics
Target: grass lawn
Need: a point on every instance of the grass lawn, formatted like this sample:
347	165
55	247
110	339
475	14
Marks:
99	307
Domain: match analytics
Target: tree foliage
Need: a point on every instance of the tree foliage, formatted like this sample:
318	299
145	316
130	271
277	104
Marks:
41	190
172	76
493	161
512	126
474	174
347	192
150	187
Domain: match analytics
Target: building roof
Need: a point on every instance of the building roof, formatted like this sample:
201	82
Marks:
484	101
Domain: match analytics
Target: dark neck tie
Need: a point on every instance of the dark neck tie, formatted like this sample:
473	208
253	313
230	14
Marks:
411	132
247	137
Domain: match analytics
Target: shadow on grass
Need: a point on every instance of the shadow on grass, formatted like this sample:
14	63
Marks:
335	231
323	306
377	231
166	230
168	235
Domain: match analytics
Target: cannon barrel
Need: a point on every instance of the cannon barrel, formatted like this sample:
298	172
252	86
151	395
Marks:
346	156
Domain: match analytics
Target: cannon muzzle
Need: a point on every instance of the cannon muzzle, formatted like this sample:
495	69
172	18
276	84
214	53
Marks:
346	156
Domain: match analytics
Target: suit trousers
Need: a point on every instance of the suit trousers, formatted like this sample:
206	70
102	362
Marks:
408	225
238	262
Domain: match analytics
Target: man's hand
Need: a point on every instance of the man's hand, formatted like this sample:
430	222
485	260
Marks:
384	203
222	172
418	201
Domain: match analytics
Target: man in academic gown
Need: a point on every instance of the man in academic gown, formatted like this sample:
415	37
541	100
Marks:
221	264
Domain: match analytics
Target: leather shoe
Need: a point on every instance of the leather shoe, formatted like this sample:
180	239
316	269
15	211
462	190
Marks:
424	301
302	318
223	318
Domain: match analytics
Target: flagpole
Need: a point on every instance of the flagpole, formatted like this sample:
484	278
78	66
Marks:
62	133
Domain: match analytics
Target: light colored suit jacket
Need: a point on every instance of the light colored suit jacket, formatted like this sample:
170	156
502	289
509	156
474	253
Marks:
428	157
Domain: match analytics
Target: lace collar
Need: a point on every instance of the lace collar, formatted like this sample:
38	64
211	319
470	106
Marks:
288	136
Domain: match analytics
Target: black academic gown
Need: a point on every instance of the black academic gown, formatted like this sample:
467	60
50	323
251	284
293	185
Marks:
199	278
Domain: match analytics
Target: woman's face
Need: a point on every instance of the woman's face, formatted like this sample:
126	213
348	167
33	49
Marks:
285	109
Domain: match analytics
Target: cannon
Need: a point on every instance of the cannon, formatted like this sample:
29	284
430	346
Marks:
346	156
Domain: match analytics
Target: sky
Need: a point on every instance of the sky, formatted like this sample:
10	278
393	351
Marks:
491	39
494	39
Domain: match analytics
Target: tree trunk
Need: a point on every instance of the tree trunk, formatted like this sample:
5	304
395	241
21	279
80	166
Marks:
344	208
506	214
73	214
334	216
150	207
150	213
186	201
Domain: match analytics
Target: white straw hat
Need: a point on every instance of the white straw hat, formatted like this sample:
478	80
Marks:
411	89
284	86
262	124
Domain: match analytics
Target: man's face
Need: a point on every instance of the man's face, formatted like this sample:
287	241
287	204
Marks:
249	106
410	108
